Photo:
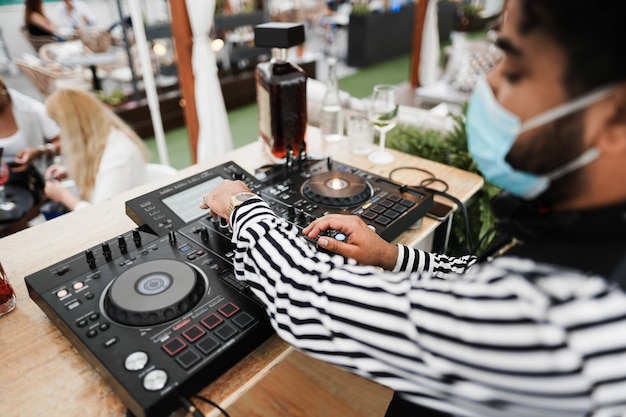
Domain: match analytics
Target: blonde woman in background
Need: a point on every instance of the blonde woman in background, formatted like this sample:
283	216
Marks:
101	153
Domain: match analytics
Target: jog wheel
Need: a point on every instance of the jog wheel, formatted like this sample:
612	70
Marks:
154	292
337	189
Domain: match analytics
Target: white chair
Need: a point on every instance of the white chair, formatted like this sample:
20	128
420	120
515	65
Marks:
122	74
158	171
37	41
47	80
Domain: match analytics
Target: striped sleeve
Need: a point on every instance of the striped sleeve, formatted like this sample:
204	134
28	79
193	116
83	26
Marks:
439	265
509	338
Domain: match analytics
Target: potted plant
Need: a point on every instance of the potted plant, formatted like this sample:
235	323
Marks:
469	18
451	149
376	36
113	98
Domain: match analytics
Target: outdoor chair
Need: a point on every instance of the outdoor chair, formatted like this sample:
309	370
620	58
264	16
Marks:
37	41
47	80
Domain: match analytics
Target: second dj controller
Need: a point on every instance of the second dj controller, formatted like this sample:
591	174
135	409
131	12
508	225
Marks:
299	193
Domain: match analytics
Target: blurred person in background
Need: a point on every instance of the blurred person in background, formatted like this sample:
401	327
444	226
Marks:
35	20
28	136
101	153
74	14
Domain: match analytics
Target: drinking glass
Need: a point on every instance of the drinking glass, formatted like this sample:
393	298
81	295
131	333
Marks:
360	134
7	295
383	115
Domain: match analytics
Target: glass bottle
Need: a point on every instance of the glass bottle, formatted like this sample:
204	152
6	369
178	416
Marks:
331	117
281	91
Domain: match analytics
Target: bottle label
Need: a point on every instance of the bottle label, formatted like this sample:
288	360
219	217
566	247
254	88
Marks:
265	117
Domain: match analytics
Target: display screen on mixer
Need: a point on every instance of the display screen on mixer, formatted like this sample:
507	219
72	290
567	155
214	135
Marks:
186	204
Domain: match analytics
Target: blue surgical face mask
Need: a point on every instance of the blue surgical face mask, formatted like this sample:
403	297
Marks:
492	129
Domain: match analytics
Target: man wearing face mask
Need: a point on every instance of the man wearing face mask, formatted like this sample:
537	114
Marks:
537	331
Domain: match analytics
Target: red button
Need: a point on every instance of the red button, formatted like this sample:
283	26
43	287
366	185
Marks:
194	333
228	309
172	347
211	321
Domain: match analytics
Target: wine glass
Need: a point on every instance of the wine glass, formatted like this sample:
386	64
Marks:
383	115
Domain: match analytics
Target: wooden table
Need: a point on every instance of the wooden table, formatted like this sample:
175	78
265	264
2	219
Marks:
40	372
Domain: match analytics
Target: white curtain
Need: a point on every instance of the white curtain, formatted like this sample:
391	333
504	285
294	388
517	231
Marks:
214	137
143	50
429	57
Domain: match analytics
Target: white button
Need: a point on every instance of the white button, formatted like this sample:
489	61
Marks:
78	285
155	380
62	293
340	237
136	361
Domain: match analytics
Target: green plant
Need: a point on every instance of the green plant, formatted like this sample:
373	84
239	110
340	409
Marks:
469	10
360	9
451	149
115	97
220	5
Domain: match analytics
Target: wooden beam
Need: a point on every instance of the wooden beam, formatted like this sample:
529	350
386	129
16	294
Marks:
416	48
183	43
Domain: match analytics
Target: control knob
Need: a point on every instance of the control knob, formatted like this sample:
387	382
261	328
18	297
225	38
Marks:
137	238
238	176
204	234
106	251
121	242
91	260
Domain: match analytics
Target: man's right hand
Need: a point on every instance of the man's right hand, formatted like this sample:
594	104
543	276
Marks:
362	243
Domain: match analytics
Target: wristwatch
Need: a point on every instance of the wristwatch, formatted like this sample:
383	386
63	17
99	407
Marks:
47	150
238	199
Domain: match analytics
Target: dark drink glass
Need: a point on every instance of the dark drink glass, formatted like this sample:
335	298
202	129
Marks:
7	295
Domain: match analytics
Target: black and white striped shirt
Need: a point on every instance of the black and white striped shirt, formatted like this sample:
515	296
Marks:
508	338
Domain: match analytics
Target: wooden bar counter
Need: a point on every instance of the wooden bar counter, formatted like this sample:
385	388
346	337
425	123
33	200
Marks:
41	374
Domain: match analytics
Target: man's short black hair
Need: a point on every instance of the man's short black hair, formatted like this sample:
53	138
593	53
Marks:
592	34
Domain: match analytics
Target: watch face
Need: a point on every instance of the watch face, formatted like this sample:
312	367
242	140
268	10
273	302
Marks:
243	197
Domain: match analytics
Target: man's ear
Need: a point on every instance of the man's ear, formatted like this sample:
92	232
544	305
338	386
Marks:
614	139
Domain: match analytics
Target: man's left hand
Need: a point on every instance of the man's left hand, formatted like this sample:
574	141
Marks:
218	200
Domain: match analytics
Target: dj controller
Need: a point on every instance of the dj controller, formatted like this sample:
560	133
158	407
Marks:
158	312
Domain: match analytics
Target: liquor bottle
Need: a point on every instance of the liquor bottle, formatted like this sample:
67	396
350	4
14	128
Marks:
281	91
331	117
